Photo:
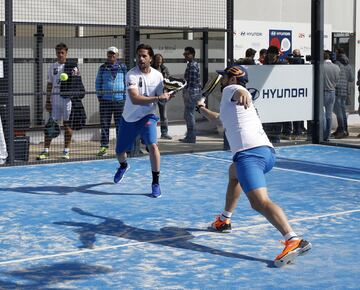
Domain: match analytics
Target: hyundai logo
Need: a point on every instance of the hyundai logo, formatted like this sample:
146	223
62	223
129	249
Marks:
255	94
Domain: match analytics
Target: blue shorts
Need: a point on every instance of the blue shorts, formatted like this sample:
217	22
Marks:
129	131
251	166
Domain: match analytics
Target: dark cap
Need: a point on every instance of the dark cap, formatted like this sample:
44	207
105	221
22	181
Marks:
238	71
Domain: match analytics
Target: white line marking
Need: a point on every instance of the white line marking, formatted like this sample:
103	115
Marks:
318	174
131	244
283	169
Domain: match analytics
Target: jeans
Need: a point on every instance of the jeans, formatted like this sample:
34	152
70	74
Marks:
340	112
329	100
163	118
109	108
190	100
273	130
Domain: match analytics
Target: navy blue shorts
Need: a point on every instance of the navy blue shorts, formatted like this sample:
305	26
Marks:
251	166
128	131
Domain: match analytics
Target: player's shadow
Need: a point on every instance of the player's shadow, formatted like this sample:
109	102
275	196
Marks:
42	277
65	190
168	236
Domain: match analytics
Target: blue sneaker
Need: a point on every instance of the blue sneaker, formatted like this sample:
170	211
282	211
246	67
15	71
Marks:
155	191
120	173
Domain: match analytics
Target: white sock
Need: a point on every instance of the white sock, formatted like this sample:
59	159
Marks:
291	236
46	150
66	150
225	215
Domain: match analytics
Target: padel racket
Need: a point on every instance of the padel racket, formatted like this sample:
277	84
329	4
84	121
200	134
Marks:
210	86
173	85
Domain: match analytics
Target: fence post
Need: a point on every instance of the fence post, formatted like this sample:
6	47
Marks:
8	71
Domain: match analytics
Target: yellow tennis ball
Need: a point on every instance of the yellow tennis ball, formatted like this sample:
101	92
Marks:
64	77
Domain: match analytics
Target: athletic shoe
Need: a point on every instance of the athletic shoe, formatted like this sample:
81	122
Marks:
119	175
188	140
221	226
293	248
165	136
155	190
42	156
66	155
102	152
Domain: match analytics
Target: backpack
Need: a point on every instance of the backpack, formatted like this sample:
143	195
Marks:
78	115
51	129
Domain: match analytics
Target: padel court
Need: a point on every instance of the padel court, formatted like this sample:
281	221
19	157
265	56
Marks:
67	226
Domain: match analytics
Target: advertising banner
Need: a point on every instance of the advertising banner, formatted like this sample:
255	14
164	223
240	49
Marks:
282	92
286	36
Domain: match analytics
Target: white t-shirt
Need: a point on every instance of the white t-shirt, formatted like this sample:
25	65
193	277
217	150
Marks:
150	84
53	76
242	126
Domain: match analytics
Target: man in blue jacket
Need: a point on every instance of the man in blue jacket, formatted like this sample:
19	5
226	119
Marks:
110	89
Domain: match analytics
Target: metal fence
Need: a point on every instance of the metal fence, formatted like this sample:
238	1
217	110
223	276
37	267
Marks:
30	30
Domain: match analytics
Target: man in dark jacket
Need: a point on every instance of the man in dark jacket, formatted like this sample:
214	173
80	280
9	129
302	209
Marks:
110	89
273	130
342	93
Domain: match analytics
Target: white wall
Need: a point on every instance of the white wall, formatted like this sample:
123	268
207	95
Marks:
339	14
68	11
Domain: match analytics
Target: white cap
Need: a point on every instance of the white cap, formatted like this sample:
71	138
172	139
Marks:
113	49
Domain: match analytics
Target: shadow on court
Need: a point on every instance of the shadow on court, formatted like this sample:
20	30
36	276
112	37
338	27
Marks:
65	190
46	276
168	236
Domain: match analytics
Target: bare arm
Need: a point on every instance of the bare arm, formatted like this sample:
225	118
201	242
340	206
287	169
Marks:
208	114
242	98
138	99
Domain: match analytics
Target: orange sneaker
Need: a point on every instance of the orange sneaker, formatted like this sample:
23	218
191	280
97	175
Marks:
293	248
221	226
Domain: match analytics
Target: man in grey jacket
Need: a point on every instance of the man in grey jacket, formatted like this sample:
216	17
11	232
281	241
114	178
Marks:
331	77
342	92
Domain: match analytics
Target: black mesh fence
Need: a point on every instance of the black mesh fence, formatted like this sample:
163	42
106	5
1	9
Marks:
56	65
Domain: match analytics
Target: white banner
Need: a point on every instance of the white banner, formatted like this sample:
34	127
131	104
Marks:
285	35
282	92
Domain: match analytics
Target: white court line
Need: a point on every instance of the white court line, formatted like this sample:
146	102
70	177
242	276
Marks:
131	244
283	169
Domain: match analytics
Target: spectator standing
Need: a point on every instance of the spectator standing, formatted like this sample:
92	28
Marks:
273	130
158	64
331	77
294	127
191	93
110	90
248	59
262	54
58	104
250	55
342	93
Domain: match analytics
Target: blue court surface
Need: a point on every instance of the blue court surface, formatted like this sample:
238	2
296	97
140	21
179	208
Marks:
67	226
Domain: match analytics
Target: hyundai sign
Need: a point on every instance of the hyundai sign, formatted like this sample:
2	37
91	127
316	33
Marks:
282	92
